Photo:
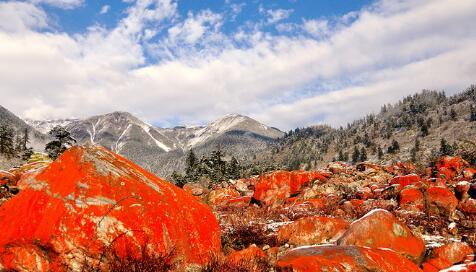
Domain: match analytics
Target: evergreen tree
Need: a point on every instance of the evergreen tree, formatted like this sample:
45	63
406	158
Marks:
445	148
191	169
472	116
233	169
363	154
62	141
413	153
26	154
7	145
453	114
379	153
341	156
355	155
417	145
26	139
394	147
424	130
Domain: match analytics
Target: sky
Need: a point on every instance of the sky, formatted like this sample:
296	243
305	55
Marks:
286	63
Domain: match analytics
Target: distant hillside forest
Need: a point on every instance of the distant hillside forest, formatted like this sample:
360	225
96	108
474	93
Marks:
419	128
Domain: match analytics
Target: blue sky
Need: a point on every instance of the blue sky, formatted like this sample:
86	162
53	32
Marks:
287	63
77	20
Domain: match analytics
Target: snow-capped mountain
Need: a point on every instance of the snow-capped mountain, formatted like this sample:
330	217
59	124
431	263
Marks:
232	122
162	150
44	126
120	131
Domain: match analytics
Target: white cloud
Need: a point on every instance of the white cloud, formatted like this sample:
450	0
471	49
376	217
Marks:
316	28
104	9
65	4
277	15
20	17
387	51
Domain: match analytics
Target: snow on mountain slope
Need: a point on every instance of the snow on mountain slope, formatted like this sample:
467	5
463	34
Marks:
162	150
232	122
118	130
44	126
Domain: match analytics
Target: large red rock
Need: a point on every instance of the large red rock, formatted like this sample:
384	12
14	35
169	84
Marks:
403	181
6	178
91	201
411	199
276	187
345	258
448	167
440	200
380	229
221	196
447	255
312	230
246	258
468	207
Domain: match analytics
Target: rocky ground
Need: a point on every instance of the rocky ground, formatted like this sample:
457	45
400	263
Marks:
93	210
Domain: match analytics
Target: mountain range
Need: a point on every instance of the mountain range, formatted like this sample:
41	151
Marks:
162	150
420	124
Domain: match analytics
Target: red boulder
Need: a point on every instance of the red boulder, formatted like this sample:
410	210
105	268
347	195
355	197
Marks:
402	181
91	202
345	258
312	230
411	199
380	229
447	255
440	200
276	187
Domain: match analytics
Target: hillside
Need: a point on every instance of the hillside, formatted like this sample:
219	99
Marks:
418	123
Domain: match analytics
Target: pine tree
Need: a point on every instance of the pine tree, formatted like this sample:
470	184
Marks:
453	114
355	155
62	141
341	156
26	139
7	144
417	145
379	153
413	153
445	148
191	169
424	130
472	116
394	147
233	169
363	154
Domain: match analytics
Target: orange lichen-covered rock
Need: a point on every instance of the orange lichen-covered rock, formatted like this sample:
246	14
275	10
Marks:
469	173
411	199
403	181
447	255
13	258
276	187
221	196
440	200
468	207
250	255
449	166
468	267
312	230
380	229
345	258
7	178
91	201
240	201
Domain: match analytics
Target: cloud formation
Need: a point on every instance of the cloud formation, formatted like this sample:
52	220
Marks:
331	72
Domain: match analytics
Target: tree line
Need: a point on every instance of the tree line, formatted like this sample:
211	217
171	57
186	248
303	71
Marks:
14	143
